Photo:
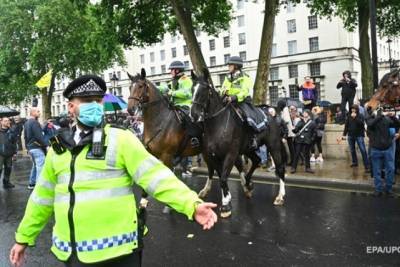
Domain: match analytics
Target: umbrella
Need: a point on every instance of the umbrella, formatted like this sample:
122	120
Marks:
113	103
324	103
8	112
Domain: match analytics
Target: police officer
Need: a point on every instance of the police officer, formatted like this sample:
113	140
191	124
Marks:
87	183
236	89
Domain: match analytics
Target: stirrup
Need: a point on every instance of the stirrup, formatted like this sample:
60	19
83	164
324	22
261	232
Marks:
194	142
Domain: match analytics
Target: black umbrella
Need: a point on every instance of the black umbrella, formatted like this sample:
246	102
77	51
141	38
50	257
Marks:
8	112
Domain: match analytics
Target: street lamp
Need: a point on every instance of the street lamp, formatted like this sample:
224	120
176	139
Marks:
390	54
114	82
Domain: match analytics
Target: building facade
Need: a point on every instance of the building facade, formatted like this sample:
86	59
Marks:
303	44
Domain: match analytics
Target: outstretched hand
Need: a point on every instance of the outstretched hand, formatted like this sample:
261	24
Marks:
205	216
17	255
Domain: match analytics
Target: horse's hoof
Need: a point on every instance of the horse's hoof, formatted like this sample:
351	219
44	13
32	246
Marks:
279	202
226	210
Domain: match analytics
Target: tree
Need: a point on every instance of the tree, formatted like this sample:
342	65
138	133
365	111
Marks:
145	22
261	84
62	38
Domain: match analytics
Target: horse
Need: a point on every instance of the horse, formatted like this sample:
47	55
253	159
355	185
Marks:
388	91
163	131
226	137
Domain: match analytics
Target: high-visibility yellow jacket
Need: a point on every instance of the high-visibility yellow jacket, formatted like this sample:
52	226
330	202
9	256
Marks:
92	199
240	87
182	93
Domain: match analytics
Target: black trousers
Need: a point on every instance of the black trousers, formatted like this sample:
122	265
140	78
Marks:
290	142
318	143
6	165
305	150
130	260
346	99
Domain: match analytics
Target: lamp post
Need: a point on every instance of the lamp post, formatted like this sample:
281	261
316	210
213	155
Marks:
389	41
114	82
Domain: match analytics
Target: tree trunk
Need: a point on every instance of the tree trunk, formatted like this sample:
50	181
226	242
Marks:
184	17
364	49
264	59
47	94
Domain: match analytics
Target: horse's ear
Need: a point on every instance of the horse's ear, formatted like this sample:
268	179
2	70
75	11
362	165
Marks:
143	74
130	76
193	74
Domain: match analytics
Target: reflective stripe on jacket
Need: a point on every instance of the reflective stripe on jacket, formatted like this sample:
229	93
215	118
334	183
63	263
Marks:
240	87
92	200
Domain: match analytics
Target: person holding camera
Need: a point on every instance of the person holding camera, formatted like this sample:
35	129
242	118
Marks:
355	131
381	142
348	86
305	131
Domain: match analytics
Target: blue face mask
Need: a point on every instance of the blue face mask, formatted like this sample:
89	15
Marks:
91	114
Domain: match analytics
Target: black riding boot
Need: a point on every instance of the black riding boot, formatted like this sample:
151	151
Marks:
253	143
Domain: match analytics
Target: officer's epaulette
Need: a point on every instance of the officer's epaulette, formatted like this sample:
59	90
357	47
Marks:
113	125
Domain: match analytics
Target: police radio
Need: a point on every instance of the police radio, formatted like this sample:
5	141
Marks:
98	142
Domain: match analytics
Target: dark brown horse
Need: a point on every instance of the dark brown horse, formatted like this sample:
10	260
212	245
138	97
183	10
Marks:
163	132
388	91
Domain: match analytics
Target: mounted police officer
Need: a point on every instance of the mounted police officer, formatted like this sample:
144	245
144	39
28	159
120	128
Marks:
87	183
236	89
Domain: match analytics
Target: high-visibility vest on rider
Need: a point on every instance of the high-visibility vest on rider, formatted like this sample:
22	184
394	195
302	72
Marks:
180	88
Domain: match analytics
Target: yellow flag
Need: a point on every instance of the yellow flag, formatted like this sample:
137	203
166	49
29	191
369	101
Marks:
45	80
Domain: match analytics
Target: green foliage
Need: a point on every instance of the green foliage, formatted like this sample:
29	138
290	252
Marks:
388	17
145	22
53	34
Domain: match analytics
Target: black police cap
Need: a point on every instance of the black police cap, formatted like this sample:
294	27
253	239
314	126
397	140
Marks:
86	85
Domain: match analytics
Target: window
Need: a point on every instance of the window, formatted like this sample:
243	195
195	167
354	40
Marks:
290	7
197	33
173	38
162	54
239	4
58	110
152	57
213	61
312	22
199	45
212	44
315	69
291	26
226	58
274	51
186	64
313	41
153	70
274	74
292	47
242	38
185	50
242	55
221	78
119	75
227	41
110	75
54	110
141	59
58	99
293	92
163	69
273	95
293	71
173	52
240	20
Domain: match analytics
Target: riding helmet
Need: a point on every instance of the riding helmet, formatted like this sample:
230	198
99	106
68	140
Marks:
235	60
177	65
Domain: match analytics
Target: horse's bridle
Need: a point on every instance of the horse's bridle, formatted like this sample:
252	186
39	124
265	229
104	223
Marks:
204	107
144	100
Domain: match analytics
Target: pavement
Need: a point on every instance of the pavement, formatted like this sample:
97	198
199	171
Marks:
331	174
313	228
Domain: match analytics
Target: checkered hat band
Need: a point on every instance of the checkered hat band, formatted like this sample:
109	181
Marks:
89	87
96	244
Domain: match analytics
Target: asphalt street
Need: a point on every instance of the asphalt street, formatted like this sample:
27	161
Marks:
314	228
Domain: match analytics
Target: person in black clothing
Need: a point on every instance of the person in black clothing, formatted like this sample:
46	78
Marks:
18	127
305	131
382	142
8	148
35	144
354	128
348	86
320	121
